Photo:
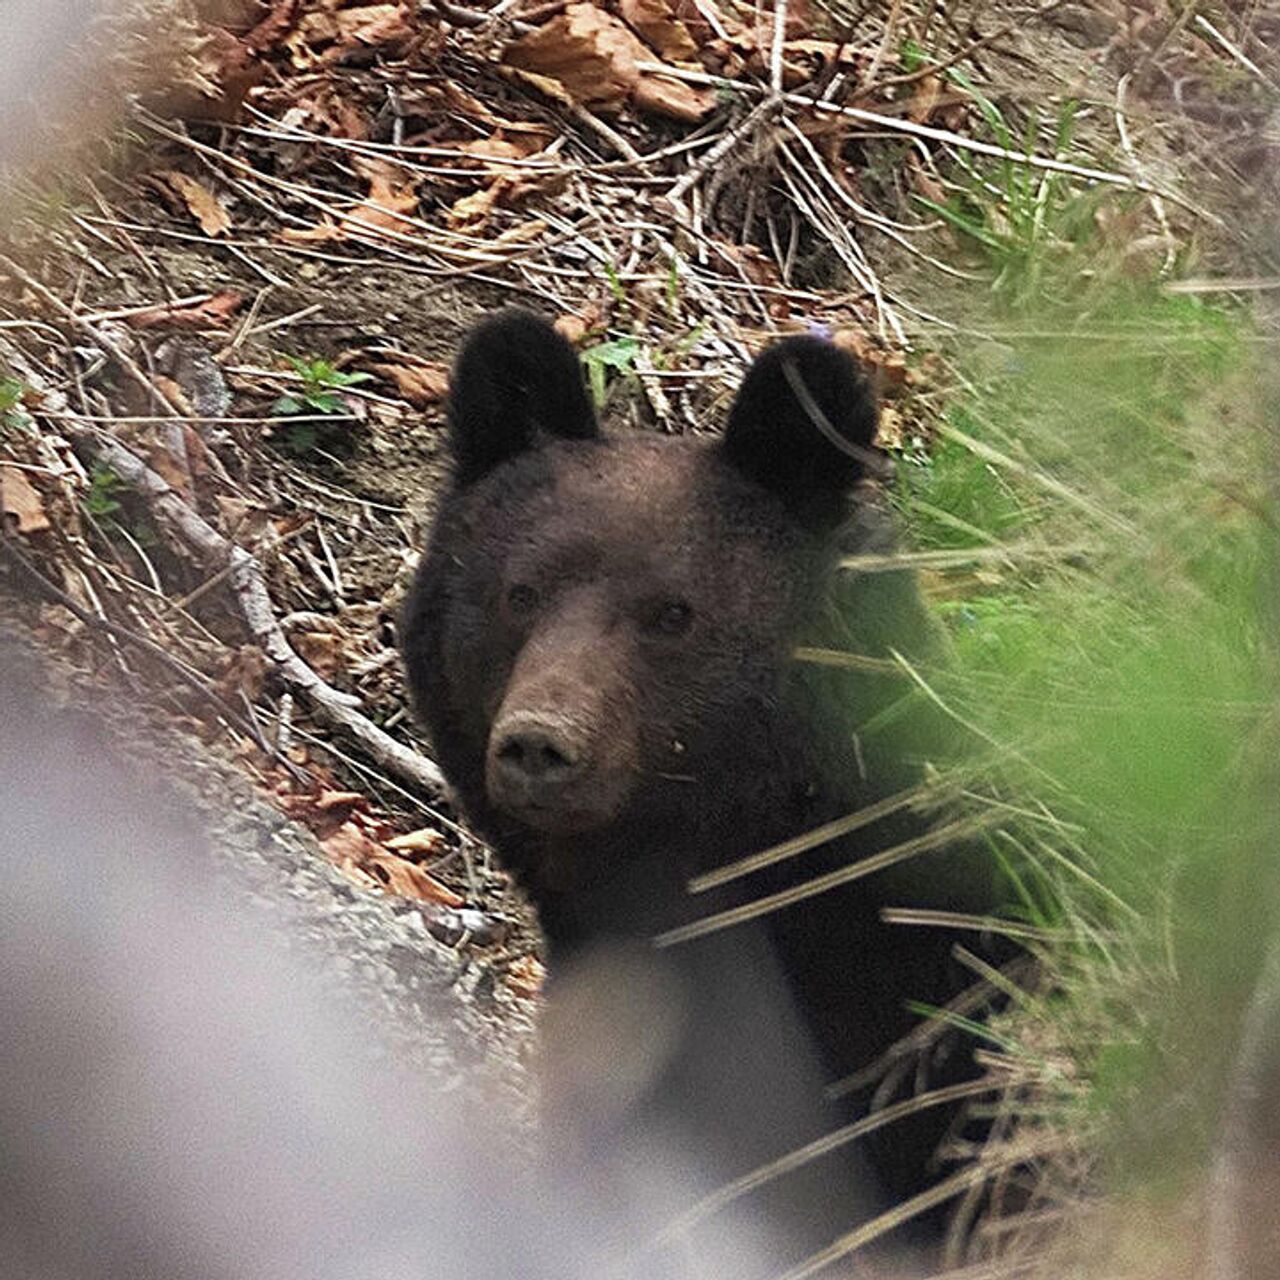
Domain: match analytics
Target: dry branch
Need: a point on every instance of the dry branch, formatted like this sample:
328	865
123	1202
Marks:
332	706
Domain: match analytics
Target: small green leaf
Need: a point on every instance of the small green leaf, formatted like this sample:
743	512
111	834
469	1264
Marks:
349	379
325	402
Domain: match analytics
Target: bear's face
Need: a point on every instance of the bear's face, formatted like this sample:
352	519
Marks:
636	594
599	635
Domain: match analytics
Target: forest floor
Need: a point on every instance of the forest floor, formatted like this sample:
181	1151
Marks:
225	339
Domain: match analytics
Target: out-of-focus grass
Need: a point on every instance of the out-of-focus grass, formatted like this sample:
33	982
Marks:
1115	676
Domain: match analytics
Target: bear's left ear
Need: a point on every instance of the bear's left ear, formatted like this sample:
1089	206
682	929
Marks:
803	425
514	379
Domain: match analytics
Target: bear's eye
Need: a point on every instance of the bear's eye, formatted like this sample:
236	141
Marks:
522	599
670	618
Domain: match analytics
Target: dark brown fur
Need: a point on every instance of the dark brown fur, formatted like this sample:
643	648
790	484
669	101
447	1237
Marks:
599	640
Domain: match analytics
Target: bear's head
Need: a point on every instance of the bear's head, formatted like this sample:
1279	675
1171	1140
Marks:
599	636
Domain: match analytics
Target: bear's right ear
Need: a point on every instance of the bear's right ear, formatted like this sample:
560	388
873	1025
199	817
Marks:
514	378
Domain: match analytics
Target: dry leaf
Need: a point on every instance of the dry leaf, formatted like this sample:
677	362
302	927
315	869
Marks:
213	312
245	673
204	206
347	843
473	210
408	880
655	22
592	56
749	259
329	801
889	431
322	651
420	384
274	27
522	232
888	369
507	190
526	976
425	840
336	32
924	101
20	502
381	210
363	860
383	207
572	327
510	142
227	69
165	456
924	184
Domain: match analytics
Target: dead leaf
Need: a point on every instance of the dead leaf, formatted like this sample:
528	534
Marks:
421	385
522	232
924	101
361	859
328	34
165	457
749	259
425	840
382	208
20	502
245	673
329	801
888	369
655	22
348	843
203	205
507	190
572	327
592	56
274	27
473	210
924	183
511	140
213	312
227	69
526	976
409	880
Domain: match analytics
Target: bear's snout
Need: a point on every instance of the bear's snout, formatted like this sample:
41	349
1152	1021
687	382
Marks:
535	758
552	772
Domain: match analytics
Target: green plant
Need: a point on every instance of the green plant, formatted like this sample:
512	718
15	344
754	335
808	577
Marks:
608	360
321	394
1026	221
12	414
101	500
1105	503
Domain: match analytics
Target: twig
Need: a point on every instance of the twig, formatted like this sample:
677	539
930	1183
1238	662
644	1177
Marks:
779	42
100	339
943	1191
54	594
331	705
894	125
1238	54
890	26
876	88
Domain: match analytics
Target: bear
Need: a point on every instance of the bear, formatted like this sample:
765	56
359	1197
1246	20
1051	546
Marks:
601	642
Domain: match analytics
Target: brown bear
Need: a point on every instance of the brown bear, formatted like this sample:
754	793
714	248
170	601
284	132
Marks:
601	641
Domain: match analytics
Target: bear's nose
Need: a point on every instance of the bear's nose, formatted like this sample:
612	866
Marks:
533	762
537	755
